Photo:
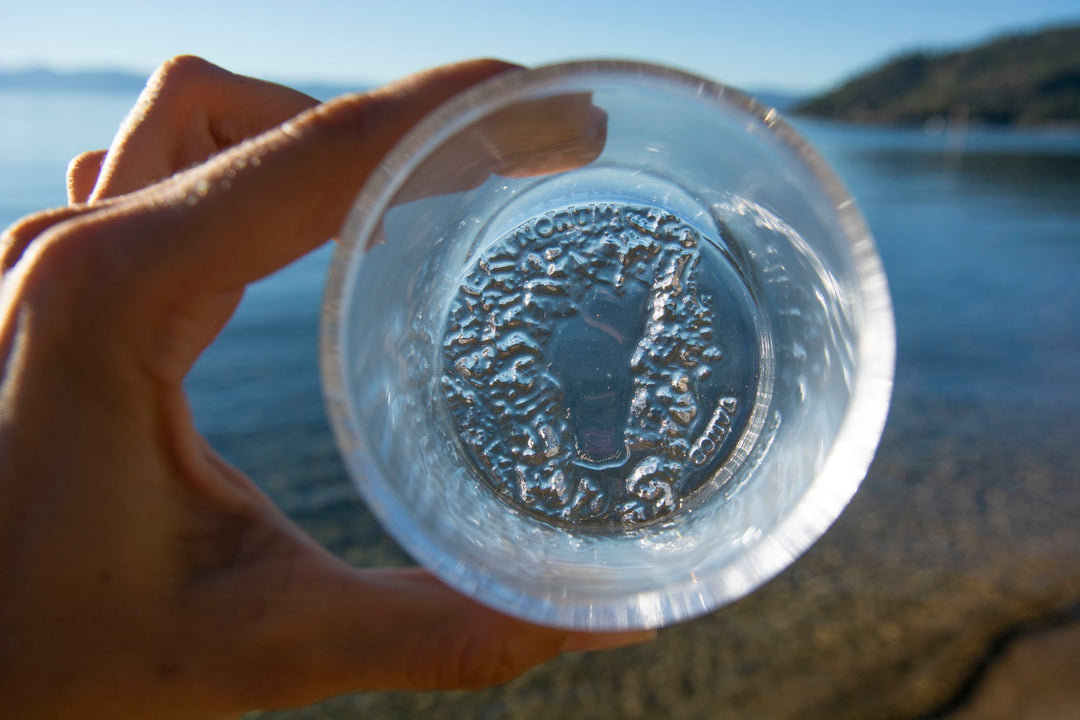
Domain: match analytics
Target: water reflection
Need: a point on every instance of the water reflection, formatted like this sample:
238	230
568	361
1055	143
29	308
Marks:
980	245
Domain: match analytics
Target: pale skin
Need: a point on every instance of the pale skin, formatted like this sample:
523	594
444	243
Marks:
142	575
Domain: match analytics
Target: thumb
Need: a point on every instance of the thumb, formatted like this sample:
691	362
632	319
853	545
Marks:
432	637
393	629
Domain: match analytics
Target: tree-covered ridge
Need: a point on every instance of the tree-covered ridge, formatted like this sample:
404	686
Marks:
1019	79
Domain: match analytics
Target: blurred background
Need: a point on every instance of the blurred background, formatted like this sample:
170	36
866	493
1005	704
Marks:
950	588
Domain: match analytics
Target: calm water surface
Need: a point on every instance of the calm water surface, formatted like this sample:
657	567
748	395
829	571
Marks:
964	529
980	235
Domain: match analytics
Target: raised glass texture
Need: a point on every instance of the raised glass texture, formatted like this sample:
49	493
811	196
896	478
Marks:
612	377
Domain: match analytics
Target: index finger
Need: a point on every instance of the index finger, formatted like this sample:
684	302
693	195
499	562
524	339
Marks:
264	203
185	248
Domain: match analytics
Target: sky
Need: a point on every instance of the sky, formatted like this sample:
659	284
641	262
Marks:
788	45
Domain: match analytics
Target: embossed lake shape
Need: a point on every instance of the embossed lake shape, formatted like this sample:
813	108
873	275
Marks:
588	366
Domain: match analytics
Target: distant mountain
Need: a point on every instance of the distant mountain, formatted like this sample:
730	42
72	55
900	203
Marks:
129	83
92	81
1018	79
125	83
781	100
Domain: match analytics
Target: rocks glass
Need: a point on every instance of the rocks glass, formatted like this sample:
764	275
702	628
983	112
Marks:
606	345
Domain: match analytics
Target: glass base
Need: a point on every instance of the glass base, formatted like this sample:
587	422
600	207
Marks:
600	362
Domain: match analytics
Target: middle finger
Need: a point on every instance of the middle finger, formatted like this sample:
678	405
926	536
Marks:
189	111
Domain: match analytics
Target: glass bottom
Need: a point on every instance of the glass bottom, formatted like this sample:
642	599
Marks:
600	363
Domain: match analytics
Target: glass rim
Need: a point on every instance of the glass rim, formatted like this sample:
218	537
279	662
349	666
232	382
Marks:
823	499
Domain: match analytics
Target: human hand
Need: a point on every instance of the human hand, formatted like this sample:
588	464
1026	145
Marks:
142	575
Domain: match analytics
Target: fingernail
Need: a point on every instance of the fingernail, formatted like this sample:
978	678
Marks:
581	641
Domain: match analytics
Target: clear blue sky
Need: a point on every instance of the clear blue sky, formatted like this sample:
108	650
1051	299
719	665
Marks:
785	44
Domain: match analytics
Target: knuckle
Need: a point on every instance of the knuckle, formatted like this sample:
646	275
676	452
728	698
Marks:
17	239
183	69
13	243
48	285
348	114
75	268
58	260
367	124
180	79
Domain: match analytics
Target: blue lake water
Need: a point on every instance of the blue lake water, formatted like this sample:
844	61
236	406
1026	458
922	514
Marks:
965	525
980	235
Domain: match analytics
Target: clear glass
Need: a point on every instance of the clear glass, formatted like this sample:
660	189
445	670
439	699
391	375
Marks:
606	379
